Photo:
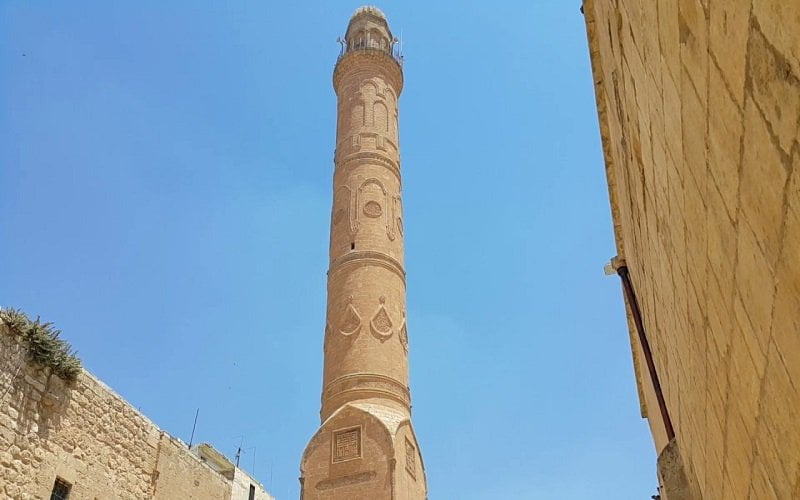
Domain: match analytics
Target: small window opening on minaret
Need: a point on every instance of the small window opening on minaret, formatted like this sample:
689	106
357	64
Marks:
352	245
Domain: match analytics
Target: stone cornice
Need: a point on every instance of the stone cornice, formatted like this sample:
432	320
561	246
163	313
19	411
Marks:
368	385
372	157
370	258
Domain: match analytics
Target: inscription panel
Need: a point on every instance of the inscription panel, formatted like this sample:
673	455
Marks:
346	444
411	459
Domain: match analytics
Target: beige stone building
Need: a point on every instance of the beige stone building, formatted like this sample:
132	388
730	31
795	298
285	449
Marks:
365	448
699	107
80	441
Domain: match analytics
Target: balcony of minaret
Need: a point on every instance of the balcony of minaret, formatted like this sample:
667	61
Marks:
368	32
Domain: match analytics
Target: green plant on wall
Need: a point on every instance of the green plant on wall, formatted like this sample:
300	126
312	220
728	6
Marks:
42	343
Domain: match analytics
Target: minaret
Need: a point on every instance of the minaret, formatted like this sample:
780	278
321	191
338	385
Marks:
365	447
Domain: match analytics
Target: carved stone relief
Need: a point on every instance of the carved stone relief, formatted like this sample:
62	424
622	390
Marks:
346	445
373	209
361	201
351	322
345	199
381	116
398	213
362	477
381	323
411	458
403	334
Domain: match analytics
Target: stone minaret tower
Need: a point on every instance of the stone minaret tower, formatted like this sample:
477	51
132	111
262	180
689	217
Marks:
366	448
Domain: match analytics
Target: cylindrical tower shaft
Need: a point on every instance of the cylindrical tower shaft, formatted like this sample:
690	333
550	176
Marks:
365	337
366	446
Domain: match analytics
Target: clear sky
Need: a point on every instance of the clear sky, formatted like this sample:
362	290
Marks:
165	175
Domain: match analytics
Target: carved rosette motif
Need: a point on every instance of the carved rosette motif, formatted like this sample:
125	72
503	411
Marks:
351	322
373	209
381	323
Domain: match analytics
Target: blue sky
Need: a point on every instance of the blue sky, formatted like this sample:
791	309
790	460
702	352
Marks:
166	188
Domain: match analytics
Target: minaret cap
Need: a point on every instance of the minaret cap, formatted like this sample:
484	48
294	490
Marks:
368	19
369	9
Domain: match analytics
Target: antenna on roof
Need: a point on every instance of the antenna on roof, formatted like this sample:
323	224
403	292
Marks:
239	449
194	426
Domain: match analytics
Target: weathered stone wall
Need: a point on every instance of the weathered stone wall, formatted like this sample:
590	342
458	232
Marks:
699	103
181	474
241	487
89	436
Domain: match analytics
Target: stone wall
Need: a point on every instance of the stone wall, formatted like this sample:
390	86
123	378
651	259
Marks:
699	104
90	437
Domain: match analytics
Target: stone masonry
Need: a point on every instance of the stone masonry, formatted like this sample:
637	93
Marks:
365	448
89	437
699	107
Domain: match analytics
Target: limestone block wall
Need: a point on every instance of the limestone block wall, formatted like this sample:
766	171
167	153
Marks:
241	487
181	474
699	106
90	437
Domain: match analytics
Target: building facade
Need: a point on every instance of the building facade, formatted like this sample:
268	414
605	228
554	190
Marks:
365	447
699	108
79	440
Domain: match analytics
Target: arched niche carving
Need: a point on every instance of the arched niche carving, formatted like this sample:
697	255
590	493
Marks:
368	92
368	195
343	209
381	116
357	115
397	213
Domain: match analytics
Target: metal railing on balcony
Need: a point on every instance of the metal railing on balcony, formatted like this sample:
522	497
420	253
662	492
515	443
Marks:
370	45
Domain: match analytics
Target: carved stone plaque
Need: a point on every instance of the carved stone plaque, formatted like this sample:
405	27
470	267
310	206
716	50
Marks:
411	458
346	444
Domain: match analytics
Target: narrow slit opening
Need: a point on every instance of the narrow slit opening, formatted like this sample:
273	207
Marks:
352	245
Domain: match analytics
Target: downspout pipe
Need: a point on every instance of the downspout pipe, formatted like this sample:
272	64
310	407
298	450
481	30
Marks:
630	295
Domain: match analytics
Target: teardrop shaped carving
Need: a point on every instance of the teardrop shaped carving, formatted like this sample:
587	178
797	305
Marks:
403	334
351	322
381	323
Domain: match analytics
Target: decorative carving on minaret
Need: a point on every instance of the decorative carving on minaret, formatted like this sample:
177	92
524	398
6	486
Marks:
369	205
345	211
365	378
373	209
403	334
381	323
351	323
398	213
381	116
